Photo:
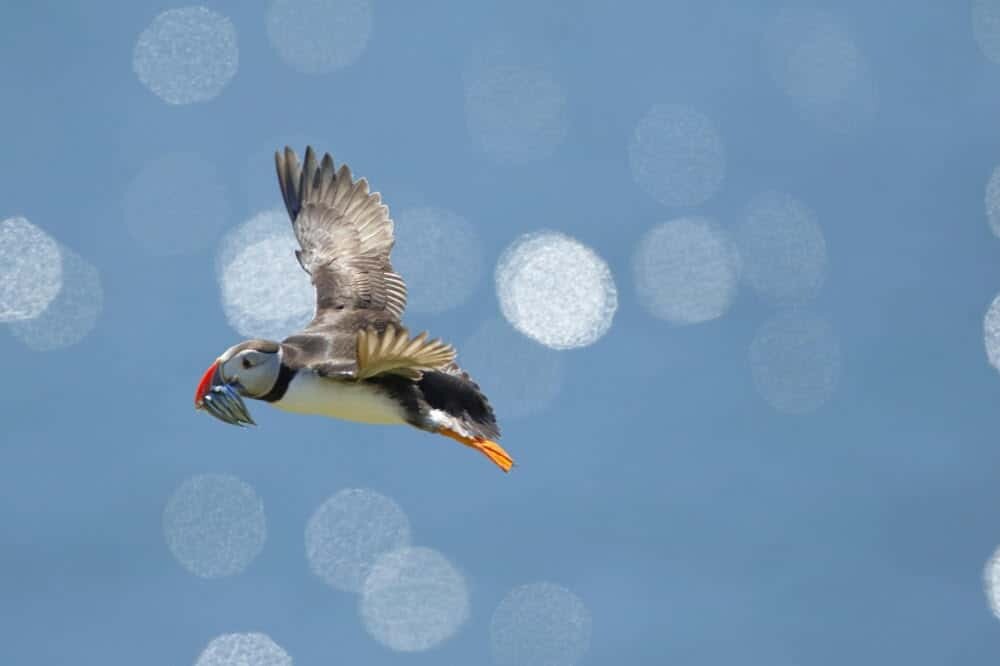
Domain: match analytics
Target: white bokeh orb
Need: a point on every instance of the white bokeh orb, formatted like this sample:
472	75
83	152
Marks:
782	248
986	27
214	525
319	36
265	292
187	55
439	255
249	649
991	201
556	290
991	333
687	271
991	583
349	531
540	623
72	315
815	61
677	155
413	599
812	56
31	270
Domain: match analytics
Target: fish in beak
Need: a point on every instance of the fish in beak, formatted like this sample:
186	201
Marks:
220	398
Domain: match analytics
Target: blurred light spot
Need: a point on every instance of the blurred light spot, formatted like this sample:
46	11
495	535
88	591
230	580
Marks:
991	333
687	271
439	255
263	225
519	376
187	55
349	531
175	205
214	525
517	112
243	650
795	362
812	58
677	156
31	270
265	293
986	27
814	61
540	623
72	315
991	582
993	201
556	290
413	599
319	36
782	249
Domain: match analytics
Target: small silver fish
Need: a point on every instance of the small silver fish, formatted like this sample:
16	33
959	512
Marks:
213	404
234	402
239	406
225	403
223	406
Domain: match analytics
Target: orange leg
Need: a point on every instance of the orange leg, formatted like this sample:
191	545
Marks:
490	449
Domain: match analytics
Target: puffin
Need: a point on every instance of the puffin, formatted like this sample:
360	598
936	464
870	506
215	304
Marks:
355	360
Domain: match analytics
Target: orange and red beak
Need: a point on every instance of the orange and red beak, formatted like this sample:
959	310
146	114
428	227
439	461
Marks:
208	380
221	399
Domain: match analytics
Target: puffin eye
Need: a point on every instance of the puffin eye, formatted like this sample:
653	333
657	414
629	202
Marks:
246	363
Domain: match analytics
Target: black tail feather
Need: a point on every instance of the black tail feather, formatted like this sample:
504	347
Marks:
459	396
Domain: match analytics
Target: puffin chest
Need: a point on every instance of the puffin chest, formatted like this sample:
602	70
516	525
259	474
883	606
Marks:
309	393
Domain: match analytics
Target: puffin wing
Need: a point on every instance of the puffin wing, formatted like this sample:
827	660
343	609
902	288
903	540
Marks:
393	351
346	236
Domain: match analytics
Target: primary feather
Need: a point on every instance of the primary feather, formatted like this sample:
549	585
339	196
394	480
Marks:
395	352
346	236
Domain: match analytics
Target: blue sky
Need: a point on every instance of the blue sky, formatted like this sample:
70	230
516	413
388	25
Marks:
776	445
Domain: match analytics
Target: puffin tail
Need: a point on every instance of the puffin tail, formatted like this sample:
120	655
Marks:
459	410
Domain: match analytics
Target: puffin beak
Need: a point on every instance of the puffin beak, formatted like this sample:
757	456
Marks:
211	377
220	399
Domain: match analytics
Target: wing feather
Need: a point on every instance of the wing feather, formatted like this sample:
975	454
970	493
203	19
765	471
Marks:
346	237
393	351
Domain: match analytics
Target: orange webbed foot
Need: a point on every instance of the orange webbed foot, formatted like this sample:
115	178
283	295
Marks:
488	448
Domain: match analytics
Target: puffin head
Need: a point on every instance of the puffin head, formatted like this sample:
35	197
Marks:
249	369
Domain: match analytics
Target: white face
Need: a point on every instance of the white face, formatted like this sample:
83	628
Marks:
253	372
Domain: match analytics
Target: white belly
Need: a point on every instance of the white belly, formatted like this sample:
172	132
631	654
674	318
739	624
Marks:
310	394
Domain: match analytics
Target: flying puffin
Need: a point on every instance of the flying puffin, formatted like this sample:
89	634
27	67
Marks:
355	360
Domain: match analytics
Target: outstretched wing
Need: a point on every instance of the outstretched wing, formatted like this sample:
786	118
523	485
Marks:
346	235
